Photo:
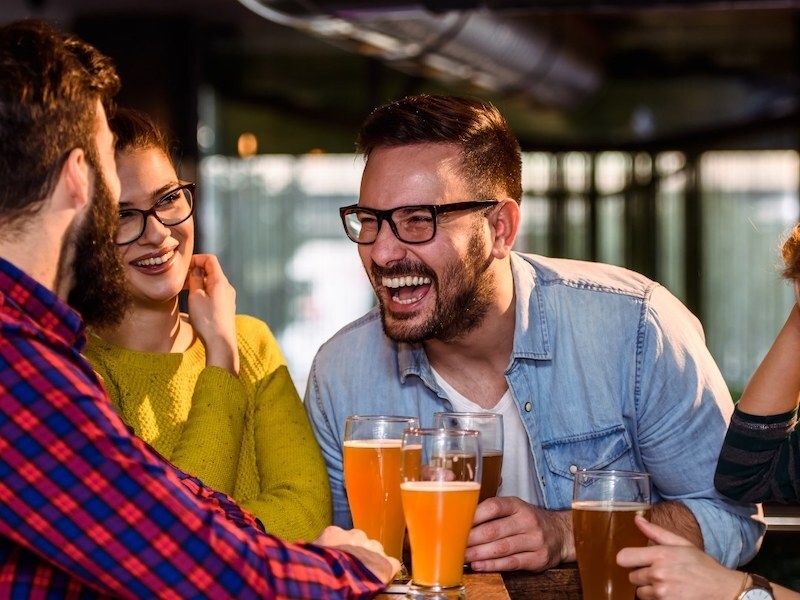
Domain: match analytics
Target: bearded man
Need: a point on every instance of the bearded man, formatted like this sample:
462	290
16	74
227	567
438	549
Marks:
592	366
87	510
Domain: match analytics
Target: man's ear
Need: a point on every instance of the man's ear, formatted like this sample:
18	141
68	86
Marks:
74	183
504	219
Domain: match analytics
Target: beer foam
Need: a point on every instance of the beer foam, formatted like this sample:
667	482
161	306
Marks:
377	443
440	486
606	506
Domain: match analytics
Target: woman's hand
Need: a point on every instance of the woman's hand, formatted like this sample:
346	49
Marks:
674	569
212	311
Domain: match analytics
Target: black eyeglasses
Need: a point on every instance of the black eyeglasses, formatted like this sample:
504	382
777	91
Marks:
173	208
410	224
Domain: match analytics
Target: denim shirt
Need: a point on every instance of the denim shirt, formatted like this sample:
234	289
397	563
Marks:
609	371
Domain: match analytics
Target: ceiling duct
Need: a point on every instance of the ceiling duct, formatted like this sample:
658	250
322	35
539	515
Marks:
490	51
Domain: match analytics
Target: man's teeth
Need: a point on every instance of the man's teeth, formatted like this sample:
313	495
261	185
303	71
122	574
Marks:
156	260
398	282
396	298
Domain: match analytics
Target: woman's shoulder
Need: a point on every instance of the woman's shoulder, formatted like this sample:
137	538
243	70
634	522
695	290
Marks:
258	346
100	352
253	329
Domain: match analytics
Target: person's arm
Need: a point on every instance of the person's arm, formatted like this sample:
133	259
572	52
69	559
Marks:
294	498
212	311
679	519
762	443
211	438
330	442
97	503
682	415
774	387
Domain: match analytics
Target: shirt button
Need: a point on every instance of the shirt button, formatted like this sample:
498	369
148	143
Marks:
528	407
573	469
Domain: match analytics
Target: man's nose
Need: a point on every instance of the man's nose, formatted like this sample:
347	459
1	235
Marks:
387	246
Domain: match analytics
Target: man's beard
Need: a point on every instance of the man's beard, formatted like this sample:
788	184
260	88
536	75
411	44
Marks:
100	291
463	296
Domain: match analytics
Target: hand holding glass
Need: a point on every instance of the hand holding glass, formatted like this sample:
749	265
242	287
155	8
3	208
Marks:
372	478
441	475
604	504
491	427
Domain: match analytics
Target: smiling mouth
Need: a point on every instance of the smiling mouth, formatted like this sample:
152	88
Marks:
155	260
406	290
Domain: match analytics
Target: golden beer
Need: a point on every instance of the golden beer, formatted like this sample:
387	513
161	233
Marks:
463	468
490	426
601	530
439	516
372	480
490	480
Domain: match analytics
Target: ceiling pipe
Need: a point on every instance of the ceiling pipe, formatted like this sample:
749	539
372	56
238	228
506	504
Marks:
478	47
512	7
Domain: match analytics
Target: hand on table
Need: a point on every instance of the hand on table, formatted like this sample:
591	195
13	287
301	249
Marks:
509	534
368	551
674	569
212	311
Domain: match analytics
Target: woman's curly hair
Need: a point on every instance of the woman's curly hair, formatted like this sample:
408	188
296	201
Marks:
791	254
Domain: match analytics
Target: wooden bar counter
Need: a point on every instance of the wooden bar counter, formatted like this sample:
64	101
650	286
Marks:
559	583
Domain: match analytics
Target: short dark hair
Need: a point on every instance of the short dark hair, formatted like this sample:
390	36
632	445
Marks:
492	159
50	84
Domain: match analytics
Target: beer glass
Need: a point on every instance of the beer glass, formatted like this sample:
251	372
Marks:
372	478
604	504
441	475
491	427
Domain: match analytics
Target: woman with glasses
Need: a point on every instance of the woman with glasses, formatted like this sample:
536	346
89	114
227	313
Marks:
209	389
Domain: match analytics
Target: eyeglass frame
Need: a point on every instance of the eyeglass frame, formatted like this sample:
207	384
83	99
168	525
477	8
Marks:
386	215
190	186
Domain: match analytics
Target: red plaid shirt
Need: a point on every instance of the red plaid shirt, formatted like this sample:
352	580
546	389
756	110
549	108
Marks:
88	510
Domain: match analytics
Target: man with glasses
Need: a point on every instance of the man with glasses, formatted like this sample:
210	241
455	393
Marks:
592	366
87	510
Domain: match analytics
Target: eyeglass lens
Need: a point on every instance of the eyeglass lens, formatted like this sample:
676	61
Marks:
413	224
172	209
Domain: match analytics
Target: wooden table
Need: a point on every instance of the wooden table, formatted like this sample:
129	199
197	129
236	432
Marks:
559	583
479	586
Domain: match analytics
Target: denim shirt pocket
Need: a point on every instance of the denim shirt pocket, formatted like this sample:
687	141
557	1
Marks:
606	449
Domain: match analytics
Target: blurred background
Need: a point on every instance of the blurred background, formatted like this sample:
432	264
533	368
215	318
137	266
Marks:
660	135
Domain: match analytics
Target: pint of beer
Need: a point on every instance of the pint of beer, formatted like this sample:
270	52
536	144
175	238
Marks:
439	513
441	475
604	504
491	427
371	457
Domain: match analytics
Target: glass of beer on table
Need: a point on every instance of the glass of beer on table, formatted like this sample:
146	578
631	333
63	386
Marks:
604	504
491	427
372	478
441	480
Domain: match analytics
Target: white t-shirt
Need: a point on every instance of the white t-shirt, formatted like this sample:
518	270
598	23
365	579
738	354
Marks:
518	475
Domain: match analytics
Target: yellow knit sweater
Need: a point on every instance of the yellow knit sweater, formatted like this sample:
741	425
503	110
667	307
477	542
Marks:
247	436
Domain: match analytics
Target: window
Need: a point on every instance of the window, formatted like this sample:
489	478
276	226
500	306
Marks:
273	221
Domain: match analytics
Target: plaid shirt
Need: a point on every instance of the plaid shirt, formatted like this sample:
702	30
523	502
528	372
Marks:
88	510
